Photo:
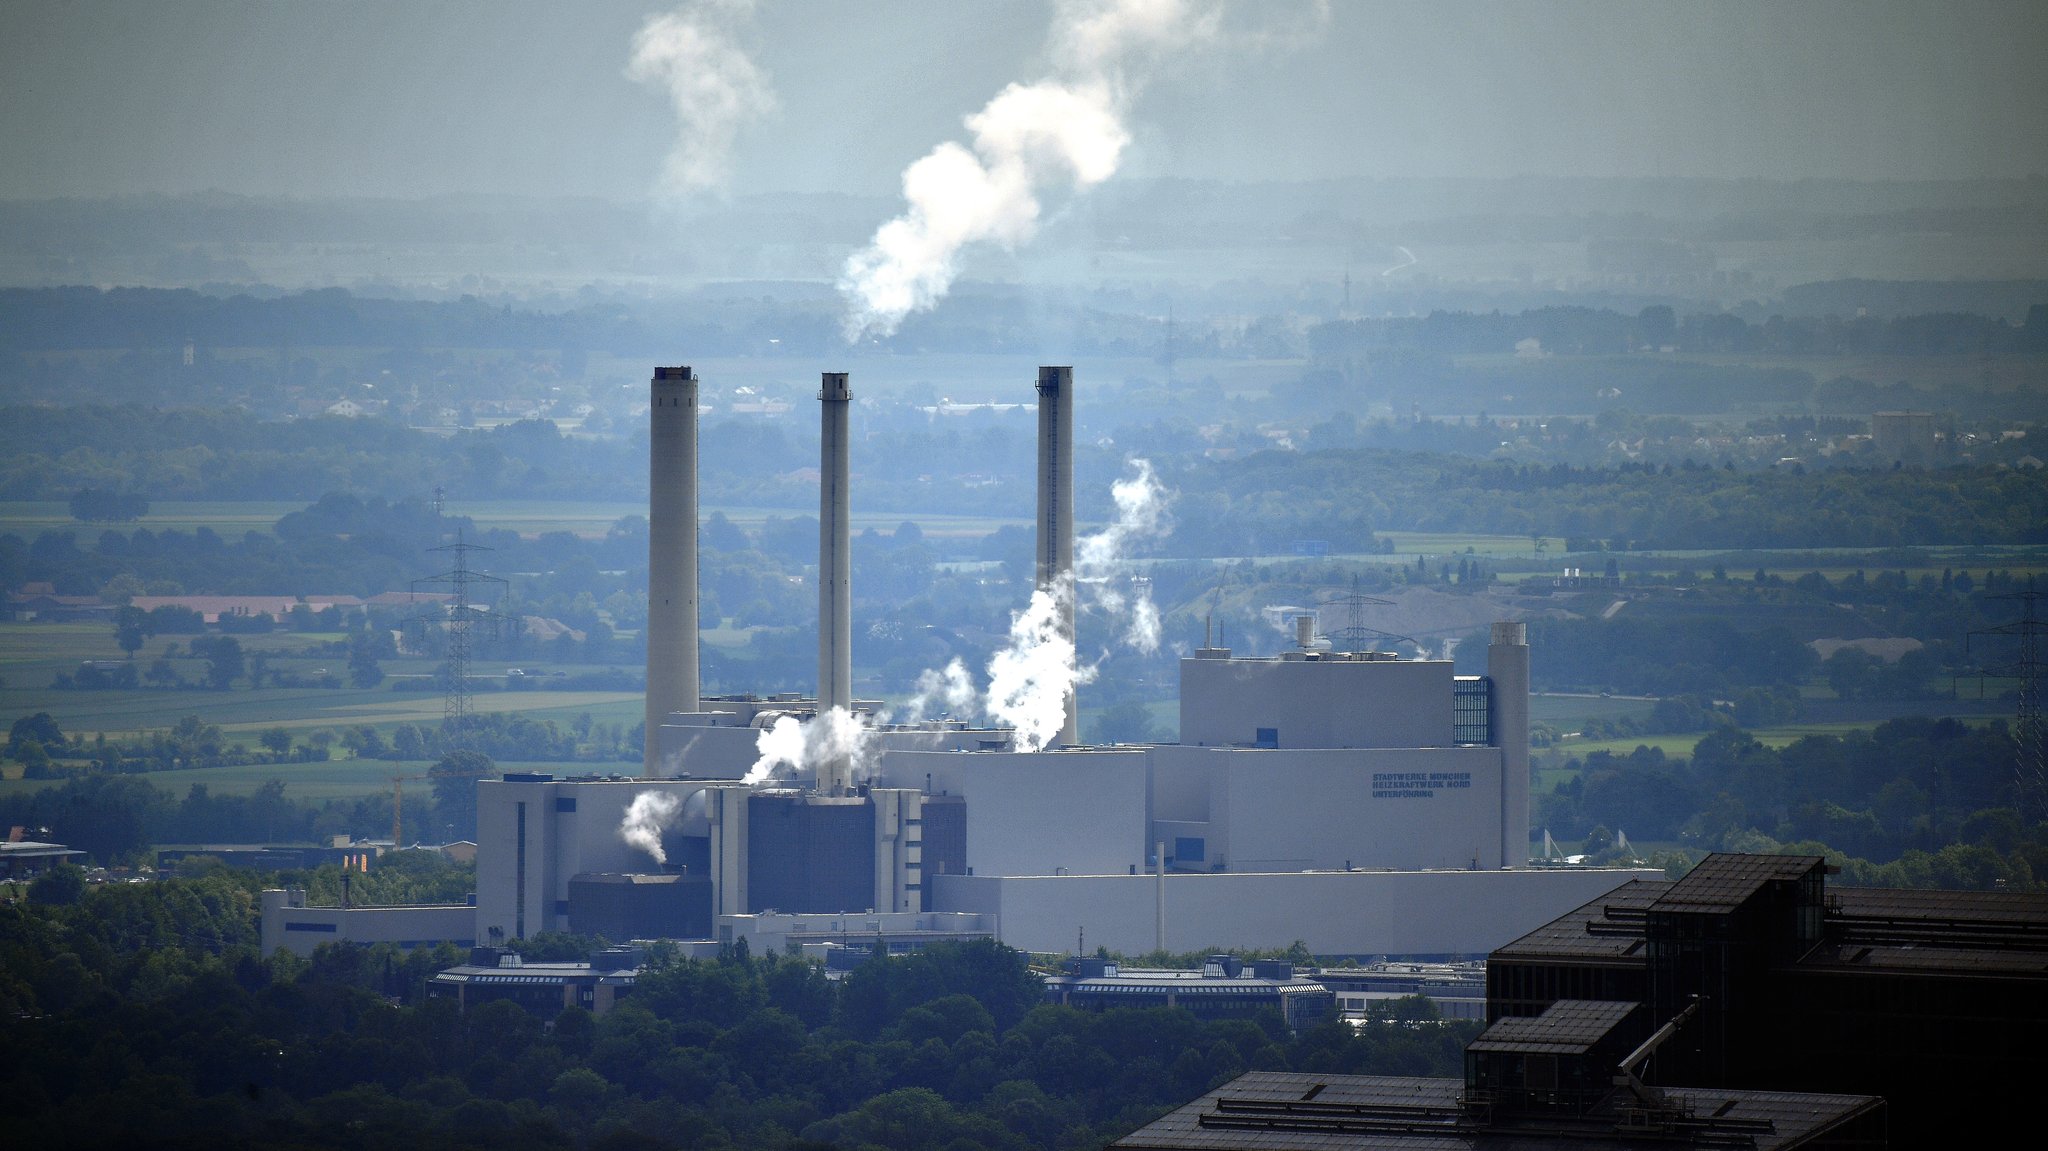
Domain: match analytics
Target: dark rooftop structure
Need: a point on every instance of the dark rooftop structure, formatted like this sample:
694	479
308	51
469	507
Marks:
542	988
1298	1111
1932	999
1745	1005
27	858
1223	989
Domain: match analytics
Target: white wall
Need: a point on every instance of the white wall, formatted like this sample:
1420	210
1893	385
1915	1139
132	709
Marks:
1316	703
1333	808
287	927
1394	807
1034	813
1334	913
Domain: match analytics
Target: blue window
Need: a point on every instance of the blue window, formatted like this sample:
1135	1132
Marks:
565	803
1190	848
1269	737
329	928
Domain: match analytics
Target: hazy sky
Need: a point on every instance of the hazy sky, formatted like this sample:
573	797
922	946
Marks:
532	96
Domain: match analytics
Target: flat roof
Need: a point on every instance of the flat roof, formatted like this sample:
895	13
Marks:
1567	1027
1608	929
1866	929
1722	882
1301	1111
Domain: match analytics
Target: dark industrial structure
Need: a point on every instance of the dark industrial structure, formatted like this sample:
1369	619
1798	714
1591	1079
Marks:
633	906
1932	999
1306	1111
1747	1004
807	852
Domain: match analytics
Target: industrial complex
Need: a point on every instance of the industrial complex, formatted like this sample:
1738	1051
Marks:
1356	802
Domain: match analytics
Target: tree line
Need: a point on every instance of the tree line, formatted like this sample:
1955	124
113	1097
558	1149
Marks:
144	1012
1914	802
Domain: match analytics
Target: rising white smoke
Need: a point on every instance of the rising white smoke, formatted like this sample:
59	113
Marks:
1061	133
1099	558
694	55
649	812
791	746
953	687
1030	678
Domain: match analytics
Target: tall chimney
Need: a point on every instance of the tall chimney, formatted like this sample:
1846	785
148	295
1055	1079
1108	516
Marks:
672	683
1507	665
835	565
1056	509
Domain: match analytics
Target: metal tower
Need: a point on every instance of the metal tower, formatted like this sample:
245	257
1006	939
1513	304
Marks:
457	618
2030	772
1355	635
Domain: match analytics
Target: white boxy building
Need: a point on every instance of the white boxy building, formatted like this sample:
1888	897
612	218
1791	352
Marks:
1361	804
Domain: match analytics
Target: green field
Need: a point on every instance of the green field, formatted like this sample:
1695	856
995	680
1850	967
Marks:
31	654
1568	711
1464	543
334	779
590	520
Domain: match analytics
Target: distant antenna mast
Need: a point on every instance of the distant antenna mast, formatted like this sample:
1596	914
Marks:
2030	773
458	619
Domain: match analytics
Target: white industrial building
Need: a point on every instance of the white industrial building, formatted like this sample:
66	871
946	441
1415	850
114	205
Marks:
289	925
1362	804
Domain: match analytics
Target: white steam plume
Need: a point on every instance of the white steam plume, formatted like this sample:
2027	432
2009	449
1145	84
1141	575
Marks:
790	746
1140	515
952	687
694	55
1063	132
649	812
1029	680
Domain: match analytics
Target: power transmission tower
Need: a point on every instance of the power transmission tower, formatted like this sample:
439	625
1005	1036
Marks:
457	618
1355	635
2030	773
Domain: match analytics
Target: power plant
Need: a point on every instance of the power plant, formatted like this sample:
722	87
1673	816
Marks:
1360	803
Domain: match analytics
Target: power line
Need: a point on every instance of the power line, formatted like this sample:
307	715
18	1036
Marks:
457	618
2030	773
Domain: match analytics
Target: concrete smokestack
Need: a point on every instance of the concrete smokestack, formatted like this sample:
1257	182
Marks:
672	683
1507	665
835	564
1056	508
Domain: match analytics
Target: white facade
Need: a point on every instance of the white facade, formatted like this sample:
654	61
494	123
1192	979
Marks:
1322	702
289	925
1329	808
1333	913
1041	813
1295	777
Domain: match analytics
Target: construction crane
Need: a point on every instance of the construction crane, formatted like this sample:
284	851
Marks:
398	783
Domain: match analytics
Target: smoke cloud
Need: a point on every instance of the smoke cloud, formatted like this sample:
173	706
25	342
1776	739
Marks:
1062	133
649	812
791	746
1029	679
1099	558
694	55
953	687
